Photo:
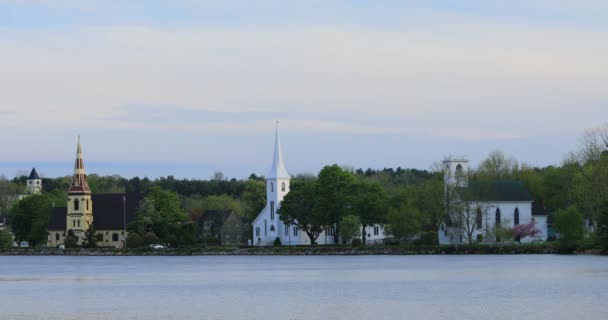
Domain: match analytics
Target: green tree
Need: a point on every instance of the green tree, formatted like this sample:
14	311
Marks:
30	218
403	222
297	209
333	199
90	240
569	223
150	238
159	209
369	204
254	198
134	240
350	228
6	241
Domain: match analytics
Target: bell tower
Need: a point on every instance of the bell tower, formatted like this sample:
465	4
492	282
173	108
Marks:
34	183
456	171
80	206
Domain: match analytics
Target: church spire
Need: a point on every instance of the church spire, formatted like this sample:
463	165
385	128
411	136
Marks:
79	181
277	171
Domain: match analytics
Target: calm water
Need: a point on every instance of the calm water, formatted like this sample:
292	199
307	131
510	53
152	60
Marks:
362	287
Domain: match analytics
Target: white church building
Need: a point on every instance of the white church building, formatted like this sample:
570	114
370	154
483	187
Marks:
494	203
267	226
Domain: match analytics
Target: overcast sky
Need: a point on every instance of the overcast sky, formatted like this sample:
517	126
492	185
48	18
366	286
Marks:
185	88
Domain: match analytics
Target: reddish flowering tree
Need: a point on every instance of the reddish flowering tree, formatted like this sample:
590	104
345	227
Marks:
521	231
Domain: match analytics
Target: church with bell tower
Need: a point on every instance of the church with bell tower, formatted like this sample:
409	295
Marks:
267	226
80	207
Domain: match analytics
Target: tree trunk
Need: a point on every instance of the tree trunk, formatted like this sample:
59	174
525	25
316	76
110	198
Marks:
363	235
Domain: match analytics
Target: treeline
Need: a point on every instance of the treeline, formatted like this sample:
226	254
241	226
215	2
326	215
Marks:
410	201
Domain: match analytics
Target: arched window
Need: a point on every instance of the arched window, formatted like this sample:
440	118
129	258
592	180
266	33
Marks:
87	204
272	228
76	205
459	170
257	231
265	228
114	237
283	186
478	219
516	217
99	237
271	187
286	229
498	217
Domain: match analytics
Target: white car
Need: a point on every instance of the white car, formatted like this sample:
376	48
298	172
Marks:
156	246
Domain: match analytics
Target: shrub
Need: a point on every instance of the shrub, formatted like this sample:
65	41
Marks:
356	242
150	238
134	241
277	242
70	242
6	241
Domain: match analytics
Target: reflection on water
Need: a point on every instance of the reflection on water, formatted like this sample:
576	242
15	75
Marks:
304	287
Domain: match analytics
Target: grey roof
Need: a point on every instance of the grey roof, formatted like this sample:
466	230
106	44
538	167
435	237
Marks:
33	175
498	190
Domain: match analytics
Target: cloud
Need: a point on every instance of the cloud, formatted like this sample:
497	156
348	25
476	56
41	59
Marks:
463	72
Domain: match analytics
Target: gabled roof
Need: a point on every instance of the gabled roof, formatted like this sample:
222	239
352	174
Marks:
498	190
218	217
277	170
33	175
107	211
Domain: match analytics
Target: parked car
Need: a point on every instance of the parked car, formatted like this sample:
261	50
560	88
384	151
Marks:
156	246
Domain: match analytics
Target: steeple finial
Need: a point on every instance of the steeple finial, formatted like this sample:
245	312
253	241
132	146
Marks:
277	171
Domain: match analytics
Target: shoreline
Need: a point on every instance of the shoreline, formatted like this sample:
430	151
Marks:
304	250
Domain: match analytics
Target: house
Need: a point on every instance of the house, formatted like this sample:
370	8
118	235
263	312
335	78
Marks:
476	209
108	214
224	226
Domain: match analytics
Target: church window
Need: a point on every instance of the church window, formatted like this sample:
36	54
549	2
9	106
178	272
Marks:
265	228
516	217
78	223
376	231
271	187
57	236
478	219
87	204
99	237
272	210
114	237
74	223
272	228
37	182
257	231
76	205
286	230
497	217
295	231
283	186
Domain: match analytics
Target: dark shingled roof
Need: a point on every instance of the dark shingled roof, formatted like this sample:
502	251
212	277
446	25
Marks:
499	190
107	211
33	175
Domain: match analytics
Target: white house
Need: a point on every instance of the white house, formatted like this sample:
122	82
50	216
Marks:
490	203
267	226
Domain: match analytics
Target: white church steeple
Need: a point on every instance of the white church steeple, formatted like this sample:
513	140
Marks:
277	171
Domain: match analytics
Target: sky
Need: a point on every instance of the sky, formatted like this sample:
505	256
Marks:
187	88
